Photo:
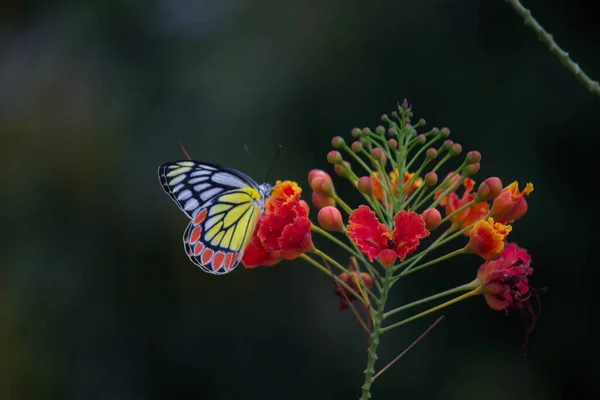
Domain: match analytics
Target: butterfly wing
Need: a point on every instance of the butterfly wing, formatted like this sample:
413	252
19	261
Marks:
216	237
223	205
191	183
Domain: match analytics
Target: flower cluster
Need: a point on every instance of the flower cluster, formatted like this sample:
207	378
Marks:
283	229
398	223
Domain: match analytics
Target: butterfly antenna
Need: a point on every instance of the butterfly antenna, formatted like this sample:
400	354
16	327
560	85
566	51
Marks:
184	151
273	162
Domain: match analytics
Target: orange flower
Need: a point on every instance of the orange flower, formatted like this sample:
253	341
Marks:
487	239
283	192
469	215
379	192
511	205
344	294
283	229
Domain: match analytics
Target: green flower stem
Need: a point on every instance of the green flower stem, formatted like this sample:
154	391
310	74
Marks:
458	289
417	257
409	270
354	252
374	342
422	149
343	269
472	293
464	207
338	280
384	180
342	204
451	188
563	56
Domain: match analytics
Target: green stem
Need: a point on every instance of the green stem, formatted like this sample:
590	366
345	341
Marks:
563	56
458	289
374	342
472	293
338	280
410	270
342	204
341	268
344	246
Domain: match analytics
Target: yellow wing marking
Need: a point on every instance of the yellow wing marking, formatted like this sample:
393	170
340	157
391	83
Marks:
219	208
178	171
243	230
238	196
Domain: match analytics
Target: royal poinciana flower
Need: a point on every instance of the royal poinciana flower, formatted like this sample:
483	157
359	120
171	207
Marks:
283	229
359	279
504	282
375	240
470	214
487	238
511	205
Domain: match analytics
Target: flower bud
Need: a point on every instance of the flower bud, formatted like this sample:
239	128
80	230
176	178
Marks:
393	132
431	179
334	157
356	146
510	204
421	139
320	200
456	149
330	219
431	153
473	157
392	144
448	144
489	189
421	122
405	104
322	185
432	218
445	132
342	169
380	130
337	142
366	131
356	133
318	172
365	185
436	131
471	169
378	154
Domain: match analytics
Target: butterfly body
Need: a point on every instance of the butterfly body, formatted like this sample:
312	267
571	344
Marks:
223	206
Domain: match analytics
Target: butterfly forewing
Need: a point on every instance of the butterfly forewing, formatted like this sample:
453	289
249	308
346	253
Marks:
191	184
223	205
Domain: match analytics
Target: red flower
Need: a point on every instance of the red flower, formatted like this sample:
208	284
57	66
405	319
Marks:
374	239
344	293
470	215
504	281
487	238
283	229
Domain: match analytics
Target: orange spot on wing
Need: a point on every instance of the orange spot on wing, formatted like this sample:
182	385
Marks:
229	260
198	249
207	256
200	217
218	260
196	232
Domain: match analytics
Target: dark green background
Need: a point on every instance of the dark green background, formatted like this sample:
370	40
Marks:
99	301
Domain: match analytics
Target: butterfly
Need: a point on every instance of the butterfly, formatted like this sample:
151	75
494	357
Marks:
223	205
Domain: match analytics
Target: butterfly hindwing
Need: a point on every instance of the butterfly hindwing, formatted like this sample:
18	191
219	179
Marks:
216	236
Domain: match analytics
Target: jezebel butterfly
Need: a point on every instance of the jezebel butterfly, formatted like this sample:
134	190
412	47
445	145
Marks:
223	206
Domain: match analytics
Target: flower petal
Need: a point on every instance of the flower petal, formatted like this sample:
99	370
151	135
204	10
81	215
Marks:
409	229
366	232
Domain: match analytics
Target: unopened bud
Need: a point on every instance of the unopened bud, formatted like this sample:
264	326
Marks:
421	139
380	130
448	144
366	131
356	132
321	200
445	132
318	172
392	144
471	169
334	157
330	219
489	189
392	132
431	153
337	142
322	185
456	149
473	157
431	179
432	218
342	169
356	146
365	185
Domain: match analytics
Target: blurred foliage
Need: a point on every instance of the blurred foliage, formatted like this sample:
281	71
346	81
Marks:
97	298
